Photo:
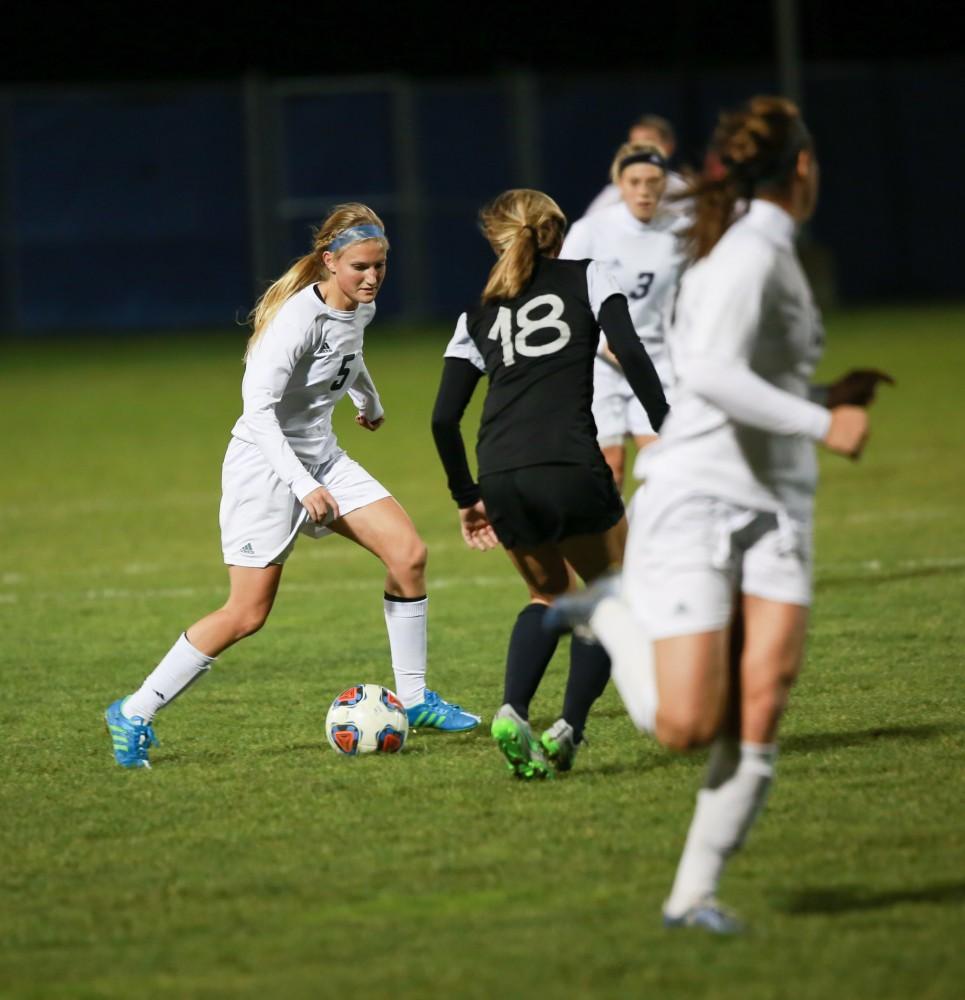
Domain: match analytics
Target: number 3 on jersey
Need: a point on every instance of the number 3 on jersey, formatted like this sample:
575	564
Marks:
644	281
502	329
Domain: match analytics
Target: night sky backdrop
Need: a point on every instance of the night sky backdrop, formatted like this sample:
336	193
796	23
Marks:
52	42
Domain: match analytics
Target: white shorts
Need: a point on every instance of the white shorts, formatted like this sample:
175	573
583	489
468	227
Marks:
688	557
260	516
616	410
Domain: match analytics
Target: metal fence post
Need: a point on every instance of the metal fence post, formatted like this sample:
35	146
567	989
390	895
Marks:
410	203
9	257
525	100
263	149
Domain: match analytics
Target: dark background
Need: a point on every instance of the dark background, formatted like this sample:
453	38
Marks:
158	166
109	41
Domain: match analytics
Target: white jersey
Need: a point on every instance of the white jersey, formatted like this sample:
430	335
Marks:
747	338
676	185
305	361
645	259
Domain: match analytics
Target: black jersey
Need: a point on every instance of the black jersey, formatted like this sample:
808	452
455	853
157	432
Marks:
538	350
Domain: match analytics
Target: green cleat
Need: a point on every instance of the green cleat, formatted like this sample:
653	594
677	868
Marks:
559	745
523	754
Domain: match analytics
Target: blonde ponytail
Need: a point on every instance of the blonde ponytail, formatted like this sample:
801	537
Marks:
520	225
310	269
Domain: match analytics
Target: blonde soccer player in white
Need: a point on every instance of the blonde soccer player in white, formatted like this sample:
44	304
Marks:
639	243
650	130
284	474
720	535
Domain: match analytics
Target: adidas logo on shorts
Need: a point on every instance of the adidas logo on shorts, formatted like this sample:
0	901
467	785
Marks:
247	550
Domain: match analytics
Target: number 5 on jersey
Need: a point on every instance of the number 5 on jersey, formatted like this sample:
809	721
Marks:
343	373
502	329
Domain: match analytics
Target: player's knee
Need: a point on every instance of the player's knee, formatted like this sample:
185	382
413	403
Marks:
681	730
416	556
408	562
247	621
419	556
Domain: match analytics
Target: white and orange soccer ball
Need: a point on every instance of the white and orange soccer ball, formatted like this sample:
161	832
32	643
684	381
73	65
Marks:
367	718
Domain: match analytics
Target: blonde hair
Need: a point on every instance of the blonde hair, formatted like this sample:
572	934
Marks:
520	225
661	126
756	148
310	269
628	149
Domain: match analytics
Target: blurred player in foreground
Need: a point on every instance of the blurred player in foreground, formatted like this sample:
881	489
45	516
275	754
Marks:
721	532
640	246
284	474
544	490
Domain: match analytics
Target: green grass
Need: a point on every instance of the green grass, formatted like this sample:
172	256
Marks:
252	861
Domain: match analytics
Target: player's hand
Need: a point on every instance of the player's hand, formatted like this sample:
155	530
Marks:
857	388
320	505
848	432
477	532
370	425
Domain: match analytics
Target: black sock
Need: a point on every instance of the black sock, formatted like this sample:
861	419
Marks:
589	673
531	648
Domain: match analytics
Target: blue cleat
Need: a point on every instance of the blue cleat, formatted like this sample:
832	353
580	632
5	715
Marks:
707	915
436	713
132	737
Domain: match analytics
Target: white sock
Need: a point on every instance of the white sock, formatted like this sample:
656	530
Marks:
631	656
405	621
734	791
179	669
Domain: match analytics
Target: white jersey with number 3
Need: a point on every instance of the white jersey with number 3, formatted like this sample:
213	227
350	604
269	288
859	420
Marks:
645	259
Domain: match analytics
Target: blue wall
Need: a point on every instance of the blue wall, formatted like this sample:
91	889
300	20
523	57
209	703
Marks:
129	209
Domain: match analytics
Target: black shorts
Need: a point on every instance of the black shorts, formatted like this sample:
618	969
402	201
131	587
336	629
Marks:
547	503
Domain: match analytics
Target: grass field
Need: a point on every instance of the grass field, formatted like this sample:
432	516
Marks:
252	861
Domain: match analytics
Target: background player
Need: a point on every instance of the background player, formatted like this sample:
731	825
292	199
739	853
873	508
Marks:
724	524
284	474
544	490
640	247
650	130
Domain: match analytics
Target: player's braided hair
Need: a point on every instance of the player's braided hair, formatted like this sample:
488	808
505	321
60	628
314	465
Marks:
520	225
754	148
309	269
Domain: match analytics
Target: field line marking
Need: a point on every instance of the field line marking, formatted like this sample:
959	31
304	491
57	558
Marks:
912	516
221	589
829	571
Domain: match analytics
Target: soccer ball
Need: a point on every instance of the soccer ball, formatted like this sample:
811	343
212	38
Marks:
367	718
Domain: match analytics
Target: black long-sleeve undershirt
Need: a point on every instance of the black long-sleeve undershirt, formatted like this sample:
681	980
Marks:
623	340
459	380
